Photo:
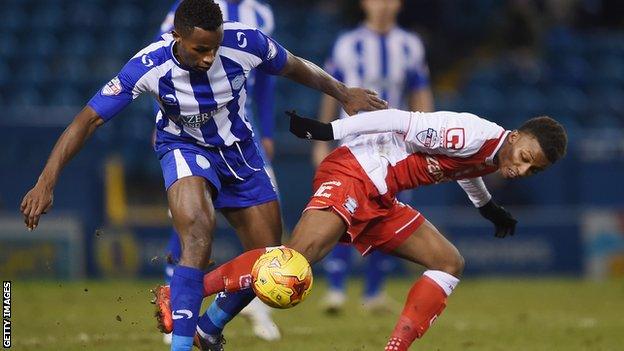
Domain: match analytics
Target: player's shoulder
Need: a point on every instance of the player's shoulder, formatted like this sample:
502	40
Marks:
411	38
241	39
347	38
478	127
154	54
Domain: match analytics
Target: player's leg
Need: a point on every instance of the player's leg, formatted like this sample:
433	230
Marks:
337	266
427	298
256	312
193	217
257	227
314	236
376	269
248	200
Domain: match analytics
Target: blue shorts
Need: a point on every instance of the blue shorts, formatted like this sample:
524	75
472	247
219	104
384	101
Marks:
236	172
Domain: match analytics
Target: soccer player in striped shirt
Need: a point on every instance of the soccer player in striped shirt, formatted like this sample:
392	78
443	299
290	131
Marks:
261	94
384	57
204	143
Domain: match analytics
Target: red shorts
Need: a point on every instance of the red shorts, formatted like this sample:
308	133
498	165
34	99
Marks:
372	222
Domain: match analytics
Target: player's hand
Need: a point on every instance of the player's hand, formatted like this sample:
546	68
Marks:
359	99
319	152
503	220
269	147
308	128
35	203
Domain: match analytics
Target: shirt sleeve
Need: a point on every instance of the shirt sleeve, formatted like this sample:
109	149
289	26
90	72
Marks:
381	121
457	134
272	54
476	190
120	91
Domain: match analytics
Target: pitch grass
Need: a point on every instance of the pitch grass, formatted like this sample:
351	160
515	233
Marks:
499	314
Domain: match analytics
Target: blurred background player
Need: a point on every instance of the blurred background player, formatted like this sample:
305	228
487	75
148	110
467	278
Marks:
261	93
384	57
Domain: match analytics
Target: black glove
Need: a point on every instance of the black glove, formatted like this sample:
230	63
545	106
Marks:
307	128
503	220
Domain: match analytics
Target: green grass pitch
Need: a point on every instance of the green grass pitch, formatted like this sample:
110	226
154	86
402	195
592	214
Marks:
492	314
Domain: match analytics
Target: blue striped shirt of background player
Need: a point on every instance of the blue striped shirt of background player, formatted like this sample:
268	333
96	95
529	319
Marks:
203	108
260	86
393	64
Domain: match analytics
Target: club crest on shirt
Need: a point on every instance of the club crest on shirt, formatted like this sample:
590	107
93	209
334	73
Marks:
428	138
238	82
112	88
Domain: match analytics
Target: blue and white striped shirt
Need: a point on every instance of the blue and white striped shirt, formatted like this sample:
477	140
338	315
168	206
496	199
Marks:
392	64
260	86
203	108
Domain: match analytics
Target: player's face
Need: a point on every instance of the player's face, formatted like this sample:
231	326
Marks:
381	10
521	156
198	48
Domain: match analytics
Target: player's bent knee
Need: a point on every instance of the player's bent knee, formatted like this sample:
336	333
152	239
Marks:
454	264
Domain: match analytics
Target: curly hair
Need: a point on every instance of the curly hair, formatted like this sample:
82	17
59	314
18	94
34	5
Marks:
550	134
204	14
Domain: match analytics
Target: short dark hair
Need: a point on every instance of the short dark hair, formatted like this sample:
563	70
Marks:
204	14
550	134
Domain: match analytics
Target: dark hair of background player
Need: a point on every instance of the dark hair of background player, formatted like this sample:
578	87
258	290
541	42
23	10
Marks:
204	14
550	134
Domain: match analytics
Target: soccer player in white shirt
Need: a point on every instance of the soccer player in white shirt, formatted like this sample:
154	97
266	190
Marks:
204	142
393	150
386	58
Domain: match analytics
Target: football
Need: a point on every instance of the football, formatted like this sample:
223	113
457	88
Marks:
282	277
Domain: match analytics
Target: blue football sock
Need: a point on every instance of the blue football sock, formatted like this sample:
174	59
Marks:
337	266
181	343
377	267
225	307
187	290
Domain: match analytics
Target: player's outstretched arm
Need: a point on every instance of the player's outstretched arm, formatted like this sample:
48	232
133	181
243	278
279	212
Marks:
366	123
352	99
39	199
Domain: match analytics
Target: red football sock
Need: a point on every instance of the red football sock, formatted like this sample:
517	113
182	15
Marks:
233	275
425	302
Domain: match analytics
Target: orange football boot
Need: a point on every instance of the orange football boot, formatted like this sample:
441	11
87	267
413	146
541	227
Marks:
162	300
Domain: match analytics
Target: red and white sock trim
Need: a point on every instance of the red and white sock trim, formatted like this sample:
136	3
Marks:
446	281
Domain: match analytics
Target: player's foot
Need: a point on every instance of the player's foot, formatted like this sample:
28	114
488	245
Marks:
259	315
167	338
396	344
162	300
381	304
334	301
210	343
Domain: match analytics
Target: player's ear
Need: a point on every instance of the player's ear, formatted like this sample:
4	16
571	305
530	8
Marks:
514	135
176	36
